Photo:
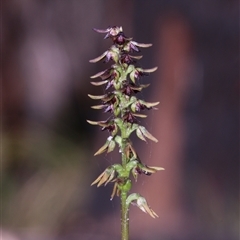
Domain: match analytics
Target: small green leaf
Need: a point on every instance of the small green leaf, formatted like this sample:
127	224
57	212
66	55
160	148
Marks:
132	197
118	167
130	68
118	140
131	165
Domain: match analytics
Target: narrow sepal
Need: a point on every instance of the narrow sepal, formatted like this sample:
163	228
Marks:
98	106
98	58
136	57
101	30
140	88
105	177
143	205
108	146
111	146
93	122
104	124
147	134
97	97
102	149
130	152
98	178
143	45
148	170
99	74
132	76
140	134
116	190
99	83
139	115
150	70
149	104
139	201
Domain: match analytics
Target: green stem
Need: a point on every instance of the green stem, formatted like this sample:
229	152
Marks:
124	205
124	217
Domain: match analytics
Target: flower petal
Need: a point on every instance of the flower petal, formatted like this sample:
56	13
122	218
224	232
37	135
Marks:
97	97
98	106
149	104
143	205
98	178
156	168
102	149
150	70
99	74
93	122
101	30
140	87
111	146
115	189
147	134
140	134
136	57
99	83
144	45
139	115
98	58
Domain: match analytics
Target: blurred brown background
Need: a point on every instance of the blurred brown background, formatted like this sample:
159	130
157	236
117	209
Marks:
47	146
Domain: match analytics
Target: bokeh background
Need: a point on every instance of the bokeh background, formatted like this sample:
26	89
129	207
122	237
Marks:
47	145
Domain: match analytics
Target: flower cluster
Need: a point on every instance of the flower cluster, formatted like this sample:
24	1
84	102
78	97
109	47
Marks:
122	84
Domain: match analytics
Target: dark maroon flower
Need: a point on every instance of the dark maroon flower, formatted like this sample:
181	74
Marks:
129	117
128	59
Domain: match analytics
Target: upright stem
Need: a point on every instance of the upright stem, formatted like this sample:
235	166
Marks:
124	217
124	206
